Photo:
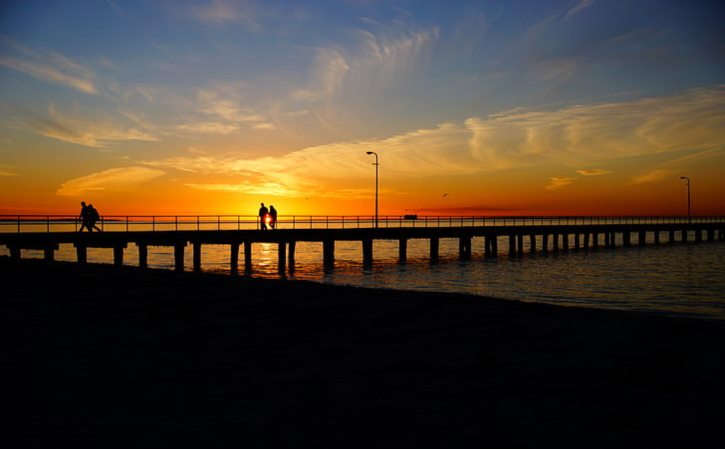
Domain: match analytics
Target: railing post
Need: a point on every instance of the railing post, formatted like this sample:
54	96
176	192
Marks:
47	224
126	223
153	222
18	223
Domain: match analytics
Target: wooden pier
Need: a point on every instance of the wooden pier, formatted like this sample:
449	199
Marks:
520	238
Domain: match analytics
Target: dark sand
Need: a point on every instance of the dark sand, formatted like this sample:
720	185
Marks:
98	356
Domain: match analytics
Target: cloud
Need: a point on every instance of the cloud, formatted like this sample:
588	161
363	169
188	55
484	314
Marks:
556	183
48	66
80	131
579	7
5	173
580	135
593	172
381	59
222	12
114	179
653	176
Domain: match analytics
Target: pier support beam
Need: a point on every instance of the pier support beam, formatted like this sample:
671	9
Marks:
532	244
595	240
179	256
555	248
434	243
577	241
520	244
494	245
403	250
328	253
118	255
698	235
143	255
247	256
684	235
81	253
15	253
671	238
710	235
197	256
281	257
642	238
657	237
627	238
545	243
464	248
586	240
565	242
234	258
512	245
367	249
49	254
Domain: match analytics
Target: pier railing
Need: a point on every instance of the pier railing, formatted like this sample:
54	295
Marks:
129	223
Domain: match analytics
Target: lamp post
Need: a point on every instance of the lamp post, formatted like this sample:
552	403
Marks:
376	164
689	211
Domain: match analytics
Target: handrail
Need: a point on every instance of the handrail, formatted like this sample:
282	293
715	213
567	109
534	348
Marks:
128	223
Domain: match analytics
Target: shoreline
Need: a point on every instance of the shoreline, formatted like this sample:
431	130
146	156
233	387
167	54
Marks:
122	356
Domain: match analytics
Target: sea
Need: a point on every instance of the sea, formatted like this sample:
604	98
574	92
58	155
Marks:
680	279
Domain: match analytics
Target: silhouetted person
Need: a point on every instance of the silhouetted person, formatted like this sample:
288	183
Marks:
272	216
84	216
263	213
93	217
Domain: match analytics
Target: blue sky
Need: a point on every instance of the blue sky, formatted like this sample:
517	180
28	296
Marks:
211	96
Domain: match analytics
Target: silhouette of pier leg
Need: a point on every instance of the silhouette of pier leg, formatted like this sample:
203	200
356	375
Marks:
328	253
545	243
494	245
179	256
512	245
698	235
15	253
642	238
81	253
234	258
586	240
657	237
595	240
434	242
710	235
684	235
143	255
532	243
367	247
464	248
520	244
402	250
487	246
627	238
565	242
49	254
197	256
118	255
577	241
247	256
281	257
555	242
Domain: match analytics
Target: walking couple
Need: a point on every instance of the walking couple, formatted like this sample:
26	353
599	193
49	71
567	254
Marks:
267	217
89	216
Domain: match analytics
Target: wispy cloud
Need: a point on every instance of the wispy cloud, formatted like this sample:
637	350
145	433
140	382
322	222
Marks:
593	172
5	173
556	183
579	7
114	179
582	135
81	131
48	66
383	57
653	176
222	12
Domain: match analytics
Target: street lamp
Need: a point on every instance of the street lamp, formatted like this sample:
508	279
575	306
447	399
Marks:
376	164
689	213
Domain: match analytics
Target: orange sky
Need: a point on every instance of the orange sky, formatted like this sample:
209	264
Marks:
474	108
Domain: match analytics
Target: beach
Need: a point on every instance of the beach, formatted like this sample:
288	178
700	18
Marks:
103	356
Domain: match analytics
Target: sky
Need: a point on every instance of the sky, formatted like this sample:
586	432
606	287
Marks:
486	107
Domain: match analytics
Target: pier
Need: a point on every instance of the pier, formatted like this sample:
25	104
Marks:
521	235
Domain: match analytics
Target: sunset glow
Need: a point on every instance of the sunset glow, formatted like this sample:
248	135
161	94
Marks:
576	107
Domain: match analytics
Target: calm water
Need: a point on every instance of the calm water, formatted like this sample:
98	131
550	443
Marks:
680	279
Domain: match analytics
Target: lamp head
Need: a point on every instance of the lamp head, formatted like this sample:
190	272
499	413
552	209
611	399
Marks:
682	177
369	152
